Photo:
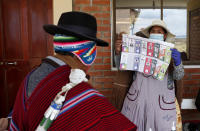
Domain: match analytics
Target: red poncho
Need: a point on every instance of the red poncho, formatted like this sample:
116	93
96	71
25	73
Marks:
84	107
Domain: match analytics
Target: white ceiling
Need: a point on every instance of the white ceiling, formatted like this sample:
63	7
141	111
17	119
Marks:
149	3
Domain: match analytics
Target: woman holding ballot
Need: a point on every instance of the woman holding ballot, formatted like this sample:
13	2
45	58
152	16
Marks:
150	103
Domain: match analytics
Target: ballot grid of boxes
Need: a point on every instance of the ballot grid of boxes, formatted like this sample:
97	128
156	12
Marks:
151	57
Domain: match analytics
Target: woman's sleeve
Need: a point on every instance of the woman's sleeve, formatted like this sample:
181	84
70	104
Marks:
178	72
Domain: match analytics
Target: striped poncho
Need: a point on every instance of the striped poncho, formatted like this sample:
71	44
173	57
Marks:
84	107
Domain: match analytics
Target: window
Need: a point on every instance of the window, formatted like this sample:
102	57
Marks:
132	20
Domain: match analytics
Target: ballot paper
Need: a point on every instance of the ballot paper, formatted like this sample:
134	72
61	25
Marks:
151	57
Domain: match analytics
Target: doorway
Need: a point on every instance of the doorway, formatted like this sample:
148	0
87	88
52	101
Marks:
23	43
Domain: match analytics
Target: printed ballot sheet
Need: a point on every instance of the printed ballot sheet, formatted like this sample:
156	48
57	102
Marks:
151	57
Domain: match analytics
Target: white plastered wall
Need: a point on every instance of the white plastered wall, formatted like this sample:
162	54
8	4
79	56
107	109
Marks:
60	6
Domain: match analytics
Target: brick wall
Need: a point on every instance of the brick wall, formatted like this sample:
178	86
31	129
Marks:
191	80
191	83
194	33
100	72
191	86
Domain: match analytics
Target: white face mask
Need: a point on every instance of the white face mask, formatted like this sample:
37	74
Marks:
156	36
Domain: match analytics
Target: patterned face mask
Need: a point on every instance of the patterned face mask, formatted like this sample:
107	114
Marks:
156	36
85	50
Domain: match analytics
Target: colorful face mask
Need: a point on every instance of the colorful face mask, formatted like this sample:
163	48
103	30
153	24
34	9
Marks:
85	50
156	36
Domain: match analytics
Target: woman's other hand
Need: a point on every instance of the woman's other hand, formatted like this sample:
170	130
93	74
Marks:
176	55
118	47
118	44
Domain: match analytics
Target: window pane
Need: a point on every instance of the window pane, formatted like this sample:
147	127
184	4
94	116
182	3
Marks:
176	20
131	20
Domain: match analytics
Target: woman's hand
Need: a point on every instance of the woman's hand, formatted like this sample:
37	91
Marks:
176	55
118	46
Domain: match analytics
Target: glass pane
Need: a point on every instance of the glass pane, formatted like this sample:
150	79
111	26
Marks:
176	20
132	20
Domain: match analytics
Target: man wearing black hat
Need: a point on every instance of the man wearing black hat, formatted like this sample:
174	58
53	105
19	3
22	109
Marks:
56	95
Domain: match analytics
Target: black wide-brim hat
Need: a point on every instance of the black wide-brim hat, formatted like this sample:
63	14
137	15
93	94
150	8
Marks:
77	24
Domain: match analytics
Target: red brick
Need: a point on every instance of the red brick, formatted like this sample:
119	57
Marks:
195	77
99	22
194	70
103	28
186	76
102	15
105	80
106	22
187	89
107	60
81	2
99	49
102	67
91	8
109	73
77	8
99	34
108	48
105	8
195	89
190	82
106	92
98	86
101	2
96	73
98	60
108	85
188	95
188	111
90	81
103	54
106	34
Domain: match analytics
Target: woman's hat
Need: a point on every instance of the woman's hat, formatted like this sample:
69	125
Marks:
77	24
160	23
